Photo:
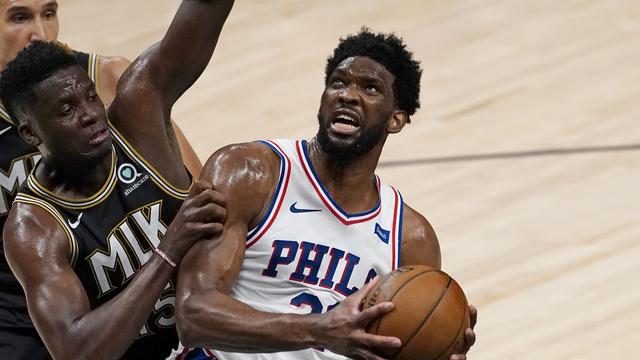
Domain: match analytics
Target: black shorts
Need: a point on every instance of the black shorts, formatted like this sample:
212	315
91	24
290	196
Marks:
22	344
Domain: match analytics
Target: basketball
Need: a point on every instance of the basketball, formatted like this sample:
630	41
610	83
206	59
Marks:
430	314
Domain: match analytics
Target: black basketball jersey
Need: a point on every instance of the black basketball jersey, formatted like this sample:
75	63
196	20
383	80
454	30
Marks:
113	233
17	158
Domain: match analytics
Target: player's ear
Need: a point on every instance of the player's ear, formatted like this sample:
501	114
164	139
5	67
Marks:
25	129
398	121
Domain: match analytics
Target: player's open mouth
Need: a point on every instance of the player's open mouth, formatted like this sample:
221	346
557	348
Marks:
99	137
345	123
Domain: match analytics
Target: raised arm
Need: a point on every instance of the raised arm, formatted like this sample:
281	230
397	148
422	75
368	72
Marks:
171	66
177	61
110	70
207	316
147	90
37	249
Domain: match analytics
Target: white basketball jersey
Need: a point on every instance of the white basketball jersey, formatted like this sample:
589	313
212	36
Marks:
308	254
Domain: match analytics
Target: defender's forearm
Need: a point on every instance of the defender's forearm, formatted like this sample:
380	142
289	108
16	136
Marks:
107	331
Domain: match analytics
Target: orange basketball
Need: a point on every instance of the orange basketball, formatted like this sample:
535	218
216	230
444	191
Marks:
430	314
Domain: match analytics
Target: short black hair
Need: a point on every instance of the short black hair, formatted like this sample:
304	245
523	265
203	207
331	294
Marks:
389	51
31	66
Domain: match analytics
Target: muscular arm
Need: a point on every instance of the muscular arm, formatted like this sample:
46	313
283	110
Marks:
37	250
419	241
246	174
110	70
149	87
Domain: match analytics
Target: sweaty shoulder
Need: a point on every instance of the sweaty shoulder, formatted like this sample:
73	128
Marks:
247	174
31	235
419	241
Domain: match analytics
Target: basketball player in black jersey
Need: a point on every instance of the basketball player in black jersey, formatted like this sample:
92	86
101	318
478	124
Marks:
84	236
22	22
18	337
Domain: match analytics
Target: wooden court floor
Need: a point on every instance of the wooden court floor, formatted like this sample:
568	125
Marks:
525	155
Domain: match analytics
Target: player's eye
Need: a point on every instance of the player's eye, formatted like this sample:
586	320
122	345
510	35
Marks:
19	18
372	89
337	82
49	14
66	110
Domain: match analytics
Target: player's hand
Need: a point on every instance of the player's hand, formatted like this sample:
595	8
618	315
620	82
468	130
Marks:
342	330
469	335
201	216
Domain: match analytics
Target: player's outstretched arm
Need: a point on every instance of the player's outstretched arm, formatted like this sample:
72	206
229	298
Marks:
208	317
109	72
420	247
163	72
147	90
37	249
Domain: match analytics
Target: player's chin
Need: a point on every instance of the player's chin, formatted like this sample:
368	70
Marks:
103	148
97	152
343	142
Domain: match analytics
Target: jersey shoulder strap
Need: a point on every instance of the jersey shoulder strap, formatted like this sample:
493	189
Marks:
90	63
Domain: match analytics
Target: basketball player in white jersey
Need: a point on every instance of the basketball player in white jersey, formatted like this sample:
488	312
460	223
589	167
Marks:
309	225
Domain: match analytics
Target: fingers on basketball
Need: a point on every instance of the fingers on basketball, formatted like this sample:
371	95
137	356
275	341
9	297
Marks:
431	314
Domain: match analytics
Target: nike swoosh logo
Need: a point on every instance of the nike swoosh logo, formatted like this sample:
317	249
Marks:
76	223
297	210
5	130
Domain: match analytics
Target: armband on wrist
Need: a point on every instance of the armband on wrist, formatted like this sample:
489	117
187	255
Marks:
165	257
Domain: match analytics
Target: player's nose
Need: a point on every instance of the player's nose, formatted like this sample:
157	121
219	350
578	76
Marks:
349	94
37	31
90	115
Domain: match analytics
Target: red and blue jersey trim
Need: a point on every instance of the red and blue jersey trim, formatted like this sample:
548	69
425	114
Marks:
281	189
195	354
345	217
396	231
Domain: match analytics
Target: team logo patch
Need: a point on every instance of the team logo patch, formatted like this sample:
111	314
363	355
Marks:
127	173
382	233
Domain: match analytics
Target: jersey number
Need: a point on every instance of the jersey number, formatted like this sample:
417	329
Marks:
312	301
